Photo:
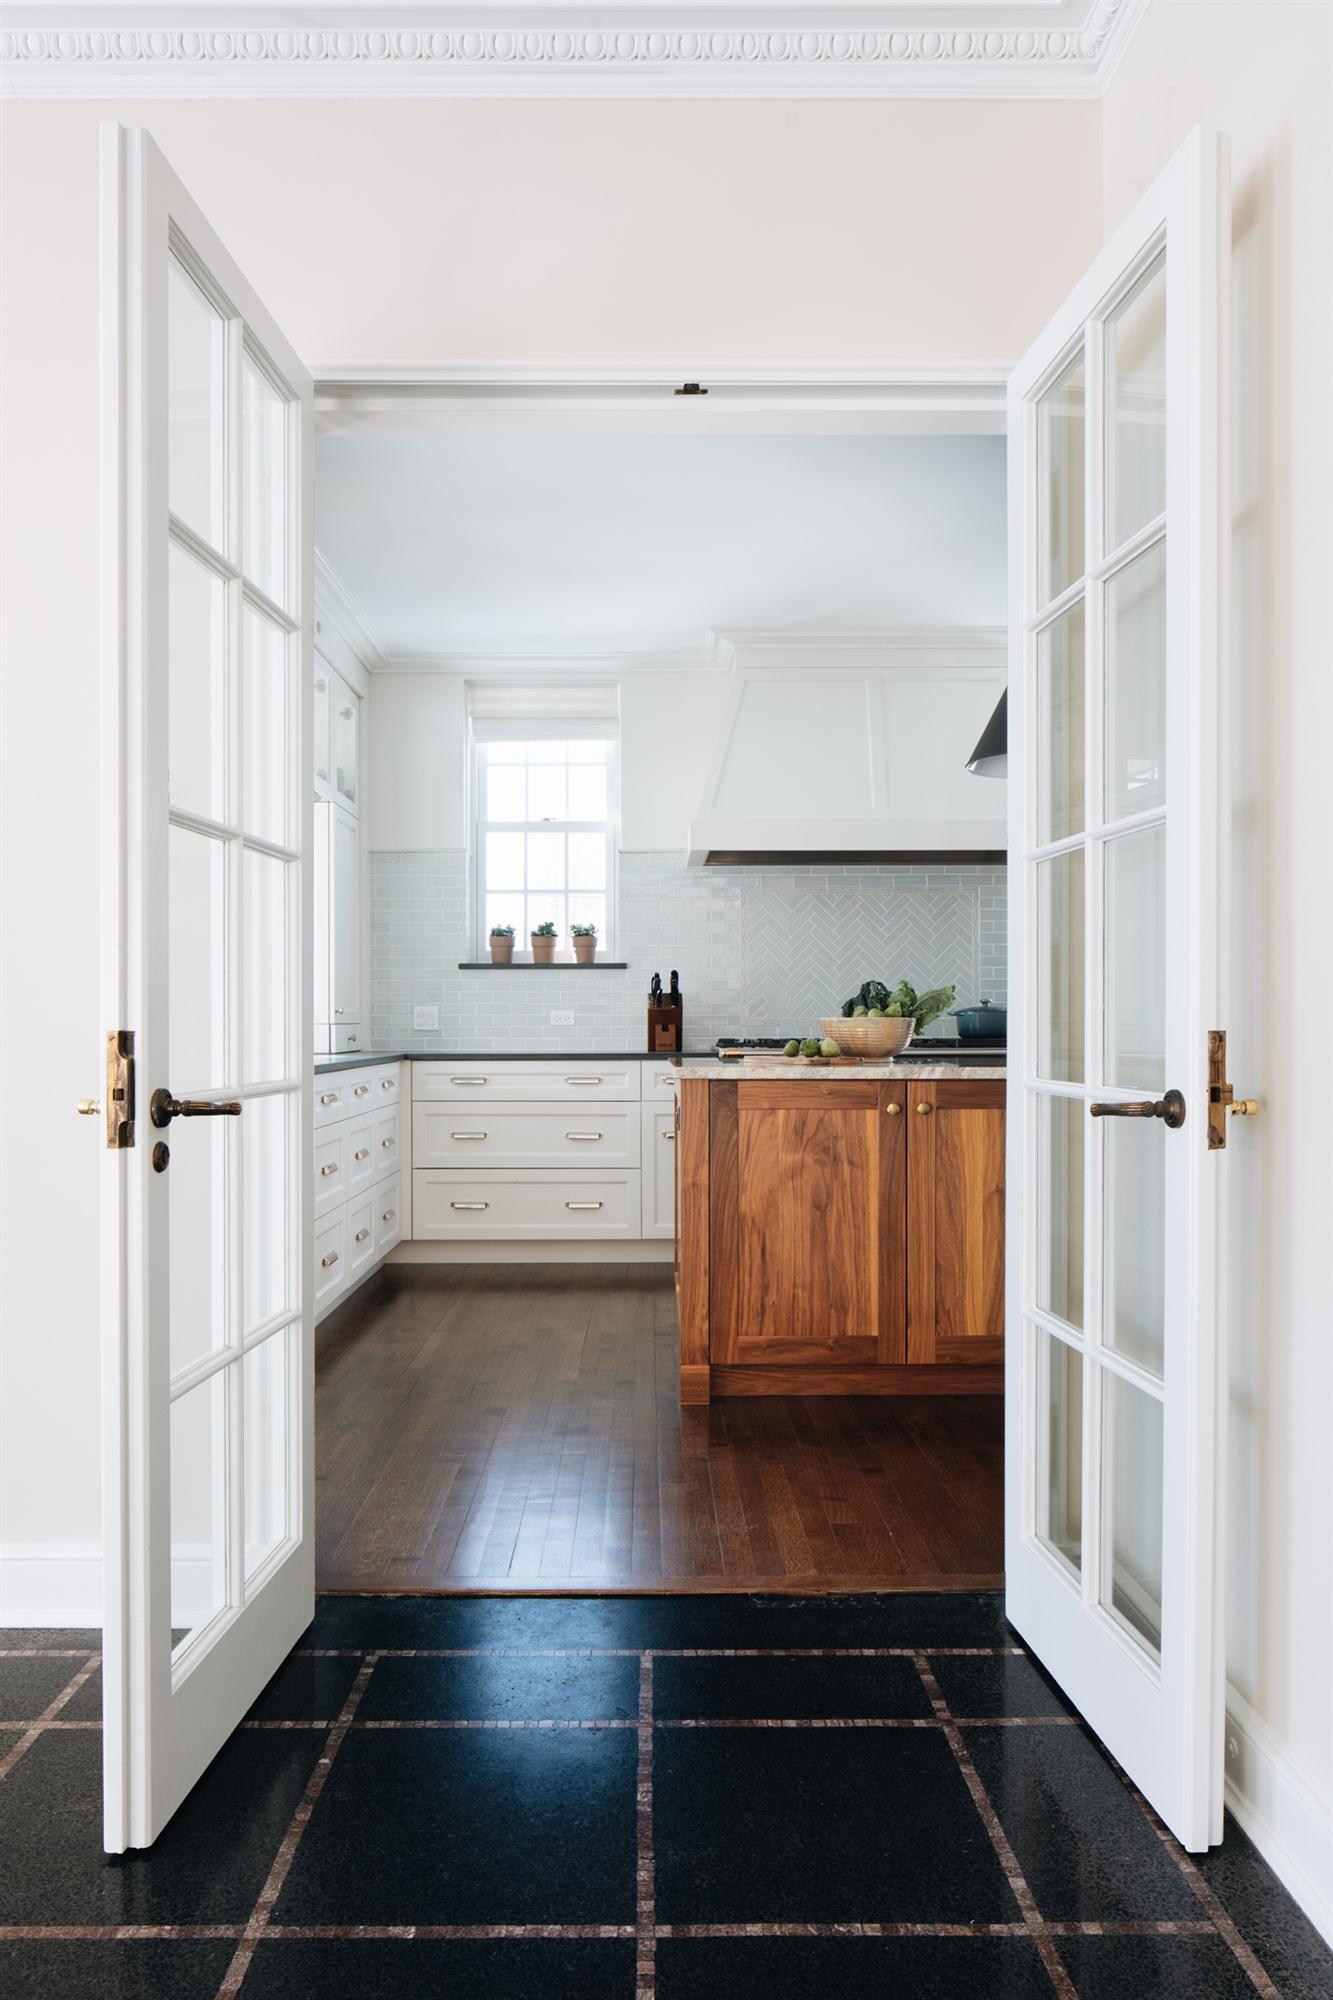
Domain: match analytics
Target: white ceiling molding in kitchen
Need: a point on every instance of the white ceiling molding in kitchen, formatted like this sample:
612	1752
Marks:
632	48
852	747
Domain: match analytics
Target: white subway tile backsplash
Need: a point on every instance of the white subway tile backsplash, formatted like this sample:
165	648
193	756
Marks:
763	949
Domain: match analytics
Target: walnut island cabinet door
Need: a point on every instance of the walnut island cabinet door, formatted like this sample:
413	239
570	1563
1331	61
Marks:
955	1221
808	1212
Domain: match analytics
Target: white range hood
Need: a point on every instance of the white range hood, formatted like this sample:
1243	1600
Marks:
853	748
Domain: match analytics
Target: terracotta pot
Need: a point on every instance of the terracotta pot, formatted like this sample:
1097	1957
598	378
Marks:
585	950
502	950
543	950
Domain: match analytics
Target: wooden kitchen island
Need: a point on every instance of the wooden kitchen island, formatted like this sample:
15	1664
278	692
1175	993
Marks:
839	1231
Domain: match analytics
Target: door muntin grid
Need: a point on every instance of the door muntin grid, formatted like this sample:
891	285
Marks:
232	683
1096	848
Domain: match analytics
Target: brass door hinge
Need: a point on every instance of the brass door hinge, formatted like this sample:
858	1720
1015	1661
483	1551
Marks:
119	1095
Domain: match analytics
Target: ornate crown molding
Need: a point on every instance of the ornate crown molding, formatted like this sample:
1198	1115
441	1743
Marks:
568	60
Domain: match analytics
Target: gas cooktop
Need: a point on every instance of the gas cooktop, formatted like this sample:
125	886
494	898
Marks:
931	1048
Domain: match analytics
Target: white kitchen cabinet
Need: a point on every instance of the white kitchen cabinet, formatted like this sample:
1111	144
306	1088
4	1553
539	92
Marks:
517	1203
358	1178
345	736
658	1170
323	762
467	1136
464	1081
337	931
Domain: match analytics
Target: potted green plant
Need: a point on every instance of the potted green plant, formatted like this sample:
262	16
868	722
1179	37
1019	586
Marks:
502	944
543	944
585	943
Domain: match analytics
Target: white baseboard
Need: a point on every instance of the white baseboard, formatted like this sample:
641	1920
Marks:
472	1252
51	1584
1286	1818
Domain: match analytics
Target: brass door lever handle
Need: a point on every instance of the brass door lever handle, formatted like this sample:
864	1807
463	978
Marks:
163	1107
1170	1109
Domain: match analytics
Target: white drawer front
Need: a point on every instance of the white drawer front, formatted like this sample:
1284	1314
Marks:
659	1082
358	1154
330	1171
331	1272
330	1099
659	1176
385	1144
361	1251
505	1135
543	1206
346	1041
388	1213
525	1082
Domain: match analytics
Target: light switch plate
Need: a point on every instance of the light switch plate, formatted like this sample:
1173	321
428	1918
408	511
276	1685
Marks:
563	1017
425	1017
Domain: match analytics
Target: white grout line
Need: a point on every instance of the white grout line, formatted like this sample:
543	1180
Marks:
645	1863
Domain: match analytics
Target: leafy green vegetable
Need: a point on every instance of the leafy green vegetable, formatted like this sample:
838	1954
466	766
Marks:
875	1002
931	1005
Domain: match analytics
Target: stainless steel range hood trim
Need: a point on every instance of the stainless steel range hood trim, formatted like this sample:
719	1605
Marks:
856	857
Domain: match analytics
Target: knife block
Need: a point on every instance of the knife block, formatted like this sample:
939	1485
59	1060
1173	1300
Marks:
666	1027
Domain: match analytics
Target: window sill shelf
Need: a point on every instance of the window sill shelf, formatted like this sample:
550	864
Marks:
557	965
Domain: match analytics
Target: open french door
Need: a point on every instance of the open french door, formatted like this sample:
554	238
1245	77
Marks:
206	620
1118	1095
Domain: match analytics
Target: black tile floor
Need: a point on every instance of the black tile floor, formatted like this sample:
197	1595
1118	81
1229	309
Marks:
615	1798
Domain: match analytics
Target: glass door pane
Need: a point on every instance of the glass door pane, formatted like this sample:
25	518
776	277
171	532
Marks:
1135	430
1060	482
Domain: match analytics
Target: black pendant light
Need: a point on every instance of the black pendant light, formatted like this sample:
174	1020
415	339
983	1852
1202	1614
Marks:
990	759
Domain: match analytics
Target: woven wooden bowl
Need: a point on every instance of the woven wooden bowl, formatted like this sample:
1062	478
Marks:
869	1038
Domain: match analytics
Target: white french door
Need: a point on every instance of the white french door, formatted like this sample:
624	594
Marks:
1117	1119
206	619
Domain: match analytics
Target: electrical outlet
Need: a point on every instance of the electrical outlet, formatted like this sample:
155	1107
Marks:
425	1017
562	1017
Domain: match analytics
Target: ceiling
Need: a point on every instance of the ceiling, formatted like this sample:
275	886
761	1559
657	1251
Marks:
539	546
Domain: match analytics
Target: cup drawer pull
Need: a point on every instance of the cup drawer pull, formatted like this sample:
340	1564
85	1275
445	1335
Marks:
469	1204
324	1172
360	1089
670	1138
386	1145
387	1215
361	1153
584	1082
584	1204
361	1236
469	1135
469	1082
585	1135
386	1083
325	1262
329	1097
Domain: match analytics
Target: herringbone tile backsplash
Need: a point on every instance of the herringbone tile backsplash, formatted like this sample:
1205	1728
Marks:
764	950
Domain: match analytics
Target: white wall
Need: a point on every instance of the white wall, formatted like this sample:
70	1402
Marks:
1261	71
387	231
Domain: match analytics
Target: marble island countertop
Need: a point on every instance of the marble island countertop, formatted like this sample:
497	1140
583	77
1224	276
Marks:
791	1068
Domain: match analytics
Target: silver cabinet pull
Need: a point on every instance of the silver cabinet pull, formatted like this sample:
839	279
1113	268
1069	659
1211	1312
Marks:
362	1153
584	1204
386	1083
329	1097
388	1215
360	1089
585	1080
324	1172
469	1135
386	1145
361	1236
670	1138
472	1082
325	1262
338	1010
585	1135
469	1204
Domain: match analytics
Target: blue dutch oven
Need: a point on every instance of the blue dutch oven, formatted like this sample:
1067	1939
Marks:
984	1020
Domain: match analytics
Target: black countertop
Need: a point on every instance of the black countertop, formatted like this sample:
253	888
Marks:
367	1058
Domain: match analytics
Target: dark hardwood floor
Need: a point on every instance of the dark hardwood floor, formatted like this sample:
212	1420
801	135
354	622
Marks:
490	1427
